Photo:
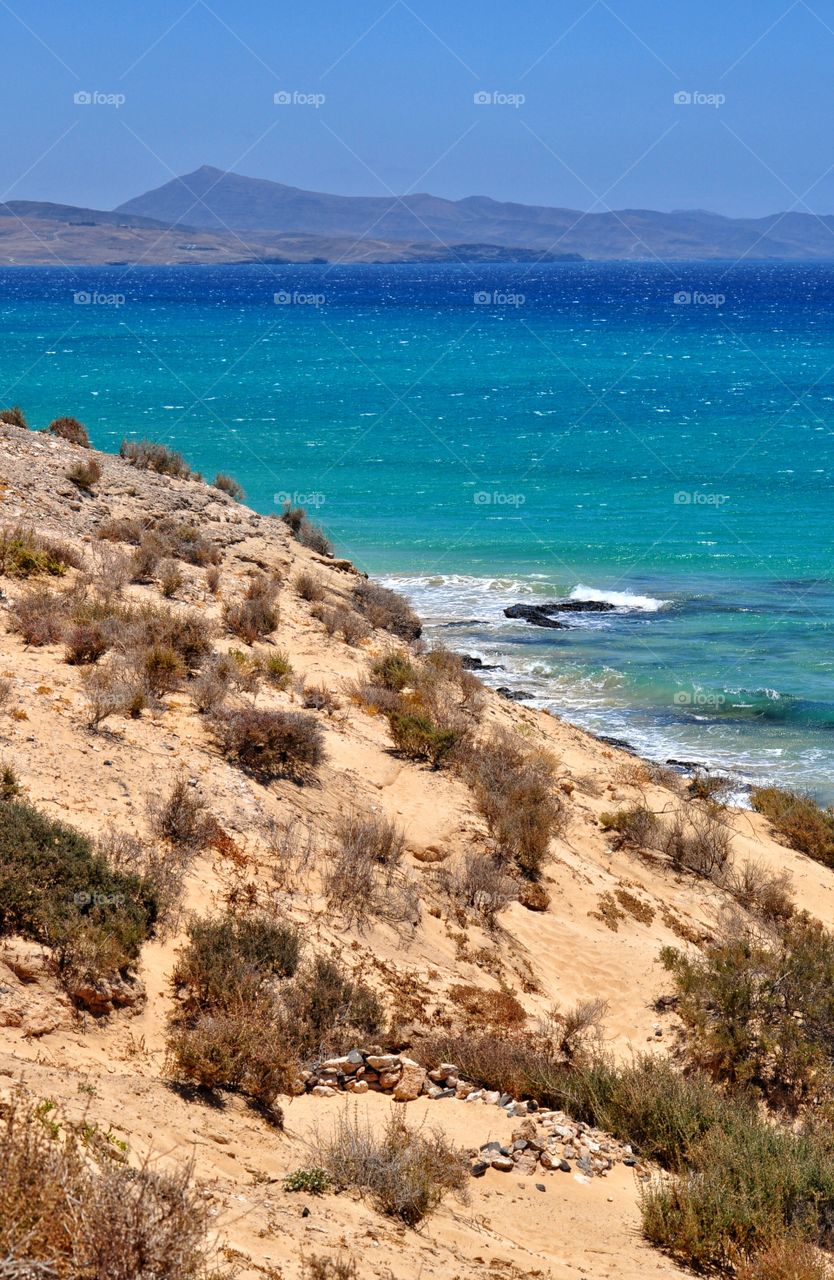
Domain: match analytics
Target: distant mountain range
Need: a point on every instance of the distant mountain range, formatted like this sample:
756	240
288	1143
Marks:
214	216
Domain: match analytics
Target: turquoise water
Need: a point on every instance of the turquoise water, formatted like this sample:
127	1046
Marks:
578	432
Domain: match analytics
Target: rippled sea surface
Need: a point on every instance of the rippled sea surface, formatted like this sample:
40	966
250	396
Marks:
659	438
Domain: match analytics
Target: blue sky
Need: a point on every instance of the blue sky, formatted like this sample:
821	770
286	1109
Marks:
598	125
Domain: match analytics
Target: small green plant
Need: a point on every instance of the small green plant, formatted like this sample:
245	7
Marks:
313	1181
277	668
417	736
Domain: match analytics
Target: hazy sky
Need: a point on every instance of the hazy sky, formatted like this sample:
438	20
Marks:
598	125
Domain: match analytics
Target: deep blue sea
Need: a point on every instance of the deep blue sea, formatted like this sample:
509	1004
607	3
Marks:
659	437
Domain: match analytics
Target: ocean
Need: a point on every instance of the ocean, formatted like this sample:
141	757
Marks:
657	437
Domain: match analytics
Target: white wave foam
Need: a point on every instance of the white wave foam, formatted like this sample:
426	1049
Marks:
622	599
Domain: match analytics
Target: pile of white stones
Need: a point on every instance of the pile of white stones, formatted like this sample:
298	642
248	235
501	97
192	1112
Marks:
546	1140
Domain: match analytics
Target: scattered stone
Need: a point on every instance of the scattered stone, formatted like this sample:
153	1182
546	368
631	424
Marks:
410	1084
479	1169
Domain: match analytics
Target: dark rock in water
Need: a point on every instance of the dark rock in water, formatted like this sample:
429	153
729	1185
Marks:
512	695
470	663
579	606
465	622
536	614
541	615
684	764
618	742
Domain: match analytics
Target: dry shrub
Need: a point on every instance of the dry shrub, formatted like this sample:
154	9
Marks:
148	456
38	616
406	1171
371	837
533	895
211	687
317	697
70	429
698	840
185	631
85	643
121	529
636	907
319	1267
170	578
14	417
271	744
159	668
107	570
213	578
386	610
798	821
85	475
758	1008
637	826
144	562
309	587
226	484
5	692
488	1008
352	628
786	1260
326	1011
514	790
256	615
765	894
162	868
183	819
578	1031
305	532
229	1031
69	1209
480	882
110	690
242	1048
25	554
712	787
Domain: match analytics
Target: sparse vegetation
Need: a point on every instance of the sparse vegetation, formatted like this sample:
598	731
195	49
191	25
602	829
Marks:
70	429
146	455
361	866
313	1181
276	668
70	1209
514	789
798	821
56	888
309	587
182	819
85	475
407	1172
419	737
271	744
24	554
15	417
256	615
229	486
305	532
386	610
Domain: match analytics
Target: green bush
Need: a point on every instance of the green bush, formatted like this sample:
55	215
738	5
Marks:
24	553
758	1008
312	1181
394	672
327	1011
798	821
55	888
228	958
417	736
